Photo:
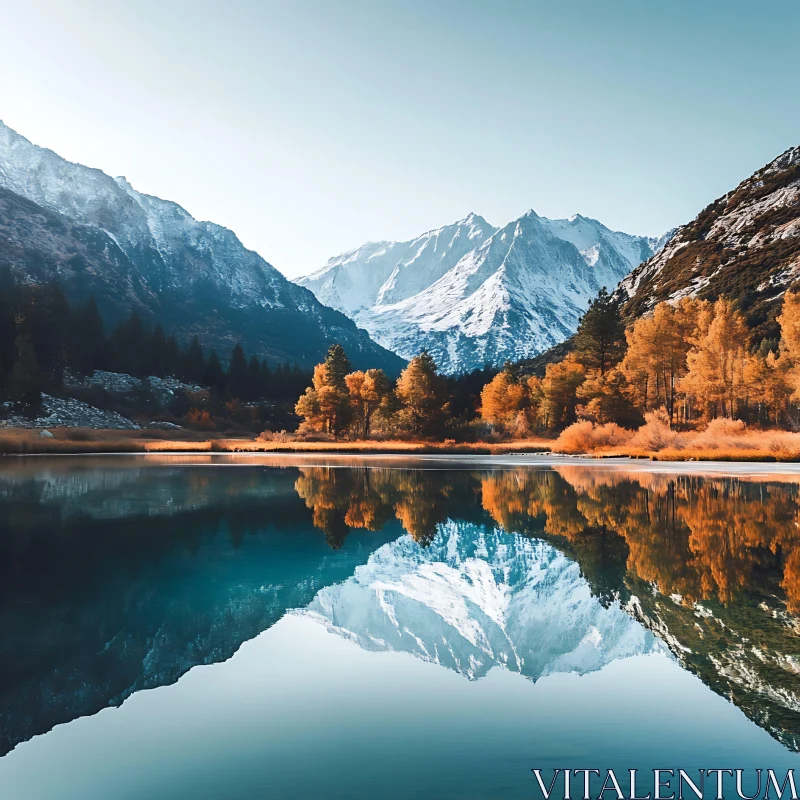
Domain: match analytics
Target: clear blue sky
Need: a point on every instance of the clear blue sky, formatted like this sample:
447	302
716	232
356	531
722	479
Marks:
311	126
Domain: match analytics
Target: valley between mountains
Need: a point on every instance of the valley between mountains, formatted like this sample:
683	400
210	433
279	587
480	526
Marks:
107	287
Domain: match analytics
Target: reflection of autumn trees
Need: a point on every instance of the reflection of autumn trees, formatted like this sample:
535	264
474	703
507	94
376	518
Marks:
342	499
732	543
699	537
542	502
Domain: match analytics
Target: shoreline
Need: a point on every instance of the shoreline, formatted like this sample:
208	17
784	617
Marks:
70	441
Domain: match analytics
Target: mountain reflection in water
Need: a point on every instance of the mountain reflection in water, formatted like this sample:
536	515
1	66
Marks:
122	574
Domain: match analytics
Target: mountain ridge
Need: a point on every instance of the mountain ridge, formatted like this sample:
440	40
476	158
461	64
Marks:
745	244
471	293
136	252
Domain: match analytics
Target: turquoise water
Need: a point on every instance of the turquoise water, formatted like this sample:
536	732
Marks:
242	628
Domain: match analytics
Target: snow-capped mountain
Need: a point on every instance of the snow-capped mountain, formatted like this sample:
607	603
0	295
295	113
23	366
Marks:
479	598
100	236
746	244
472	294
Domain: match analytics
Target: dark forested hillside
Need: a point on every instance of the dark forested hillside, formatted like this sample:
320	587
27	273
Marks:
96	235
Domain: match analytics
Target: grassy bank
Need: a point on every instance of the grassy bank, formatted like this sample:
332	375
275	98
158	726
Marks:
584	440
19	441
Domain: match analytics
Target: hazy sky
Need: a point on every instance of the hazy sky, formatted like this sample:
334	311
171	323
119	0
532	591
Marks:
312	127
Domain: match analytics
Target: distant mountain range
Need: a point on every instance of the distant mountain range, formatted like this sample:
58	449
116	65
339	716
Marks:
746	245
99	236
469	293
472	294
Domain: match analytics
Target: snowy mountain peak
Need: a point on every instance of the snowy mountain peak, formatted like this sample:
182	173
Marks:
471	293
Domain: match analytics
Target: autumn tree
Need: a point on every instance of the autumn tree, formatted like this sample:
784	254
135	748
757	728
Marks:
600	339
504	401
789	320
325	405
368	390
559	392
605	398
655	359
717	361
421	391
770	380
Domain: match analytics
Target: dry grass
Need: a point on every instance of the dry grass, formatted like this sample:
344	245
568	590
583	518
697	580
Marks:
389	446
586	437
721	440
21	441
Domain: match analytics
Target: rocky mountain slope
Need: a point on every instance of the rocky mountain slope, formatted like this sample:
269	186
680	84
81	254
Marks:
99	236
473	294
746	245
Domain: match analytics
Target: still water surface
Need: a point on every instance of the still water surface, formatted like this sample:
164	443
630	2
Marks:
238	627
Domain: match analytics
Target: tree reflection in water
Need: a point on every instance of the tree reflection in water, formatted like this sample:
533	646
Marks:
711	564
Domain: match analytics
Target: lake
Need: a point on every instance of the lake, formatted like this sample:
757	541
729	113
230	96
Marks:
378	627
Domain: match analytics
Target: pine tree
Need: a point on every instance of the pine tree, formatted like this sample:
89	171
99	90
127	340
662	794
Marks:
255	384
237	373
267	389
214	375
43	316
88	345
26	382
600	339
129	354
156	355
337	367
172	357
9	294
194	363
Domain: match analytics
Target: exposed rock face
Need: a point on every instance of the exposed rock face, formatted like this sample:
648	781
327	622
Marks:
746	245
98	235
66	412
164	389
473	294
